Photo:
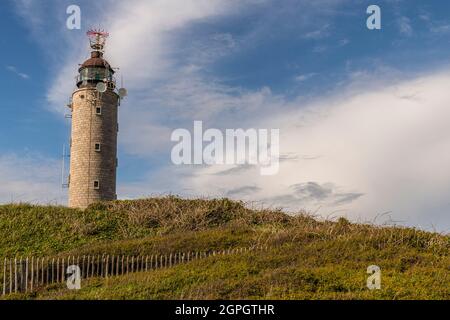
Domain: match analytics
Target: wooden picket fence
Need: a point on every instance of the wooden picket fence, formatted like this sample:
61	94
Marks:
27	274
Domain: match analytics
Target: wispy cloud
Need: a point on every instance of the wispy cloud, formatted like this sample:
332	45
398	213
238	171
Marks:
405	27
326	193
14	70
440	28
242	191
323	32
305	77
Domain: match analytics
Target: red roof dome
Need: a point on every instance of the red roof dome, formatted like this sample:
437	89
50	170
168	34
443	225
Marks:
96	60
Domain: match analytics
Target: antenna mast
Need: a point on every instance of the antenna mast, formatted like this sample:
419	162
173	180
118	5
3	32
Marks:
97	38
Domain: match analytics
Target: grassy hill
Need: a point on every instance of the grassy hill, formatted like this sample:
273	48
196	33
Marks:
306	259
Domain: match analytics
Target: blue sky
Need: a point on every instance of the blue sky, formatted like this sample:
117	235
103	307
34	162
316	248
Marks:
358	111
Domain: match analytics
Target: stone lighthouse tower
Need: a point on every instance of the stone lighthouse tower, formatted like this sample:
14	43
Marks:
93	147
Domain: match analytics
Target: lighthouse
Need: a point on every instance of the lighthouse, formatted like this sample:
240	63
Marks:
94	112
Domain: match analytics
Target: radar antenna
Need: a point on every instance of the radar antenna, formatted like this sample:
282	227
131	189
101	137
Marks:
97	39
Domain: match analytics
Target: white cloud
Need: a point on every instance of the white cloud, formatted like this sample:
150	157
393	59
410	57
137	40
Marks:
305	77
321	33
373	151
17	72
405	27
30	178
344	42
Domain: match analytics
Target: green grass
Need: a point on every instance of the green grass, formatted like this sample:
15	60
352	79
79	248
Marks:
306	259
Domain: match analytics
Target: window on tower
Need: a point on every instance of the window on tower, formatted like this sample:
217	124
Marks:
98	147
96	185
98	111
96	74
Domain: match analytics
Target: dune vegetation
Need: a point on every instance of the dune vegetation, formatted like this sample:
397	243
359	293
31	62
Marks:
305	258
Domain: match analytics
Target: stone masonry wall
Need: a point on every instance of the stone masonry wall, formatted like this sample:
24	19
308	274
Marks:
86	164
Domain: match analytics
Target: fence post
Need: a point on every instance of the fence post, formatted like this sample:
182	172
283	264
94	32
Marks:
96	265
88	266
112	265
102	265
42	271
83	269
53	270
10	276
39	271
123	267
57	270
4	277
146	263
36	271
63	271
92	266
107	266
20	275
15	275
26	275
117	266
32	274
47	271
63	264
